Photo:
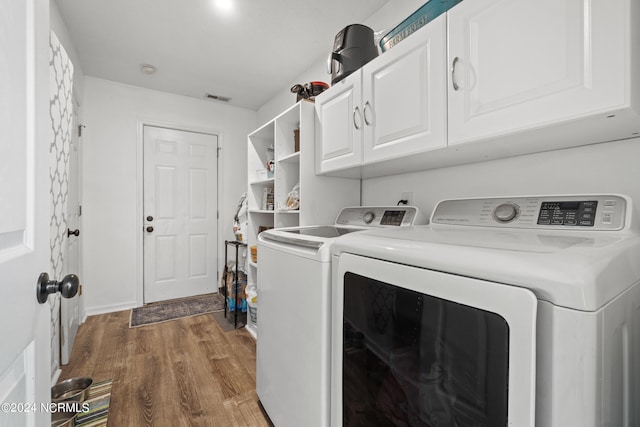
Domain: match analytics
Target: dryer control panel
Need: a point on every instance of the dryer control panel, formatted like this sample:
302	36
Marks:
585	212
380	216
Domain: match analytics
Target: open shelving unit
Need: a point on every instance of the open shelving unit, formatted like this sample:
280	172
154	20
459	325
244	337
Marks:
321	197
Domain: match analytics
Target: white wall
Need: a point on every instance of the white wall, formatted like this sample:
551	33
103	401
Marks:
112	187
599	168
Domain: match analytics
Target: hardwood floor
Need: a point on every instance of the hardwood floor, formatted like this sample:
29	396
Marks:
186	372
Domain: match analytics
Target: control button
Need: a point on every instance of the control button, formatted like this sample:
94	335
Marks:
557	222
506	212
609	203
607	218
586	223
545	217
588	209
368	217
571	222
586	216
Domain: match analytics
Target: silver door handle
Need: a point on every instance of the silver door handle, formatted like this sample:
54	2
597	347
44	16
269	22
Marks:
453	73
356	113
367	107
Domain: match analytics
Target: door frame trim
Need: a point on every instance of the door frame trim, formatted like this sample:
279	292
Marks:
141	123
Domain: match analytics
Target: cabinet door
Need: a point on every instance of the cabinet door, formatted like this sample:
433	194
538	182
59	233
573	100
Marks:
340	125
404	96
521	64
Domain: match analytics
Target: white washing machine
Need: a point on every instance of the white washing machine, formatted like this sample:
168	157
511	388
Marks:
520	311
294	283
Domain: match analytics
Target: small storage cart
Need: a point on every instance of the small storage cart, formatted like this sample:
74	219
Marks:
235	284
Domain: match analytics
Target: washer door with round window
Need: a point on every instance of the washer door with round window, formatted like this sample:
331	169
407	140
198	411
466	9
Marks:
412	346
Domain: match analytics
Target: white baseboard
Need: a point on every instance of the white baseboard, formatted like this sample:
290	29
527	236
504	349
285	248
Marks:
93	311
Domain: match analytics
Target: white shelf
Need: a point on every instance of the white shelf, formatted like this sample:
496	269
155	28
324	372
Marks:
263	181
291	158
324	196
260	211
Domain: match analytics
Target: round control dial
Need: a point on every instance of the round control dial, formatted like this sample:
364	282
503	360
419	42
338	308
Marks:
368	217
506	212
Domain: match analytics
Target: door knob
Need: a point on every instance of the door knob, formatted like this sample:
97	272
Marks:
149	218
68	287
150	229
75	232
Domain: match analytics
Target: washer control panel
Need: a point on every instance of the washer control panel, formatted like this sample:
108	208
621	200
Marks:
589	212
380	216
578	213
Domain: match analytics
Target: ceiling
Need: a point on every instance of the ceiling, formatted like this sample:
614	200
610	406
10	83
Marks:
247	53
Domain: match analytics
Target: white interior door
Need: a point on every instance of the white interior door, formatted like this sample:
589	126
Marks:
70	307
24	211
180	213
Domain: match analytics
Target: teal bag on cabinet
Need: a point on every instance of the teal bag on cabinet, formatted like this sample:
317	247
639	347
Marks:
418	19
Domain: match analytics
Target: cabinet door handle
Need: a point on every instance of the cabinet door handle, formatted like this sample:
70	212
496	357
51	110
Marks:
453	73
357	117
367	107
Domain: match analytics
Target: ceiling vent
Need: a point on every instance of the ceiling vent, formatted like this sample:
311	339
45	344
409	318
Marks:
217	97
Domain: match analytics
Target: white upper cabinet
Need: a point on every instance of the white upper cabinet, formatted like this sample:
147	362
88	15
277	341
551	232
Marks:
404	101
340	125
487	80
394	106
517	65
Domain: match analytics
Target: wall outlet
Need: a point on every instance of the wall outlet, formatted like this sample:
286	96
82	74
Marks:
408	196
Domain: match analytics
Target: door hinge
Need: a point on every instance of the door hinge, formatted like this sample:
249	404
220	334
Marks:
79	210
80	290
80	130
218	152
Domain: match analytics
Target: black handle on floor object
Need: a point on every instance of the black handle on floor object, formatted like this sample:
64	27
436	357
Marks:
68	287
